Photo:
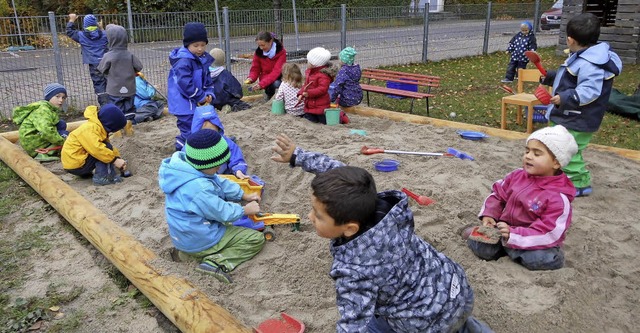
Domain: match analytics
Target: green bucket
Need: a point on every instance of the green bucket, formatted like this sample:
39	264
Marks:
333	116
277	106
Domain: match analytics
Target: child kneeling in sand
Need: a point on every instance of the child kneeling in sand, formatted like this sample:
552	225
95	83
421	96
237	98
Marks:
199	204
531	207
88	147
387	278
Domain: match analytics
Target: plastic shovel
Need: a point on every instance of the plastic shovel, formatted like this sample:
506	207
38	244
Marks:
536	60
420	199
370	151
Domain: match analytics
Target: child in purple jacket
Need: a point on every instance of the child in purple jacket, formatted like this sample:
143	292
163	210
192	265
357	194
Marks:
346	88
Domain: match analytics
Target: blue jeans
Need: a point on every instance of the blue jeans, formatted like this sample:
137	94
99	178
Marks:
271	89
99	84
125	104
102	169
470	325
534	260
512	68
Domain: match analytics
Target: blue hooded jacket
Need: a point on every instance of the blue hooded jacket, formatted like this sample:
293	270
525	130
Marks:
197	205
93	43
236	162
584	83
144	93
189	81
390	272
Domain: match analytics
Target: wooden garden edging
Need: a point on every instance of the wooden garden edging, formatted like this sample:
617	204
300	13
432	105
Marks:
179	300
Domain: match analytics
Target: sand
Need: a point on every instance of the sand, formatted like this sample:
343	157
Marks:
597	291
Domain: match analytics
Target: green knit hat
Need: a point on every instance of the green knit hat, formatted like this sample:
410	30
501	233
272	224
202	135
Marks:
347	55
206	149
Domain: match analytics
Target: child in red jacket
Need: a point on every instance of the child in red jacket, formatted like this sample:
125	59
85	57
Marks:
315	91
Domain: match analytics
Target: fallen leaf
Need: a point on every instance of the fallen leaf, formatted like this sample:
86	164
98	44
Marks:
36	326
59	315
55	308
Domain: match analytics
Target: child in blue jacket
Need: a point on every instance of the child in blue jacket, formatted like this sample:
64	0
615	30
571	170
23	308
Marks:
93	43
346	87
581	88
199	207
226	87
208	118
147	107
189	83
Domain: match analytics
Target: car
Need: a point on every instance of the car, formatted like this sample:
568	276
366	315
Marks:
551	18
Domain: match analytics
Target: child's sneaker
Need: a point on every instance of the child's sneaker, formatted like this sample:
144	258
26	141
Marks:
583	191
506	81
215	271
100	181
46	158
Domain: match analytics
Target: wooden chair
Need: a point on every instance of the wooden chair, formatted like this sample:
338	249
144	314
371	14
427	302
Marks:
522	99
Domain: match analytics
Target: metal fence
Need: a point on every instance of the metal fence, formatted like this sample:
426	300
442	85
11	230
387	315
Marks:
39	52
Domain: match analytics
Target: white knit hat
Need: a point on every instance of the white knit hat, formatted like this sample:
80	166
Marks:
318	56
559	141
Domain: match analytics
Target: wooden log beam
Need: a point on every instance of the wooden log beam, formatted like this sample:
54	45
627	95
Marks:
186	306
412	118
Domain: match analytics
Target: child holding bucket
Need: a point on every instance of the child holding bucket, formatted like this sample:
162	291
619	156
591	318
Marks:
288	91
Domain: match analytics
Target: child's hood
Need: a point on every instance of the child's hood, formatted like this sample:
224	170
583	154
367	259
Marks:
21	113
203	114
117	37
184	53
331	70
601	55
353	72
175	172
91	113
386	241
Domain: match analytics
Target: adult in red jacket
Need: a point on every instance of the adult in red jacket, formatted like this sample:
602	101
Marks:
266	67
315	90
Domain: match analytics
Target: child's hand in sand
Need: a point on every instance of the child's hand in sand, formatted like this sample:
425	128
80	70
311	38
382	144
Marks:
504	230
284	148
251	208
488	221
120	164
250	197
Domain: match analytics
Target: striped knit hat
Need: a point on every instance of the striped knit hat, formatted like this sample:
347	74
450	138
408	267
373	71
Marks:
53	89
206	149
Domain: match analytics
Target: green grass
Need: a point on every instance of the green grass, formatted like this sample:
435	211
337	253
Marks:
469	87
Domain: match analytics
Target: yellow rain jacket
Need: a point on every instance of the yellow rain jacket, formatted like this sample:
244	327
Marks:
88	139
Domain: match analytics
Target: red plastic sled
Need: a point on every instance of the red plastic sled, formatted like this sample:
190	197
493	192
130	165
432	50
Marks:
286	324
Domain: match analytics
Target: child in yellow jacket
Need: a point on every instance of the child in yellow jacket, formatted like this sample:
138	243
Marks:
88	147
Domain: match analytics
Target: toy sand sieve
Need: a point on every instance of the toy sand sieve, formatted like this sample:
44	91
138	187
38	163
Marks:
386	165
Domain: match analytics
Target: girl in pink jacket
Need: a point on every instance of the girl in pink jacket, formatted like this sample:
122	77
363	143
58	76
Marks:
531	207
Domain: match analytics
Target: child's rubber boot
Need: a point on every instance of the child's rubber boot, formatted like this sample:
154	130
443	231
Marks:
101	181
43	158
215	271
583	191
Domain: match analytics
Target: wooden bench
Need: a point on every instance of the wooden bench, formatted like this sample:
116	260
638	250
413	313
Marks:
426	82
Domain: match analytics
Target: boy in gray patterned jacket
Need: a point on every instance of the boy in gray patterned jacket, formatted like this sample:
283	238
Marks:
387	278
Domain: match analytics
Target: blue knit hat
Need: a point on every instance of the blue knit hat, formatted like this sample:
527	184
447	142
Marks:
53	89
89	21
112	118
194	32
528	24
206	149
347	55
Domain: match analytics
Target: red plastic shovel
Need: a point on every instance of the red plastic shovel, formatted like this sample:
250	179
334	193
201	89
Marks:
536	60
420	199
